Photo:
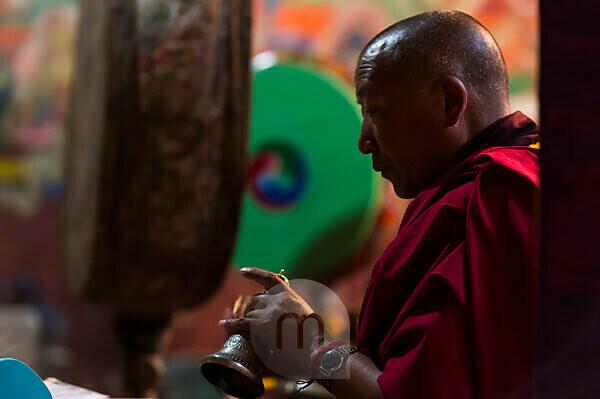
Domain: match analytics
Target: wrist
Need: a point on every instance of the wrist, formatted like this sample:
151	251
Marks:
333	364
321	345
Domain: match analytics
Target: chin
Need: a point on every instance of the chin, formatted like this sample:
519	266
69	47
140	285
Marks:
404	192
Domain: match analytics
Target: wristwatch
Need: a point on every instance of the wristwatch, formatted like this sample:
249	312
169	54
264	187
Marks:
332	361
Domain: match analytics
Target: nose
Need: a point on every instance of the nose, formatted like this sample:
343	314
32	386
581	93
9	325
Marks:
366	140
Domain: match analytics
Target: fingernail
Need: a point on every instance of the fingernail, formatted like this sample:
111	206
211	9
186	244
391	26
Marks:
245	269
222	322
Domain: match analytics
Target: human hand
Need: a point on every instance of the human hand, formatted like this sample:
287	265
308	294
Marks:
263	316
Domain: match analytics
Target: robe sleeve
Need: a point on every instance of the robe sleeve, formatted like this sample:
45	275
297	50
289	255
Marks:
502	277
429	352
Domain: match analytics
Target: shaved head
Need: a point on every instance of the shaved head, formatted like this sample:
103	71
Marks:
427	86
419	49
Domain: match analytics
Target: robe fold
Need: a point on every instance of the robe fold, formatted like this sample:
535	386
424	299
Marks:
451	307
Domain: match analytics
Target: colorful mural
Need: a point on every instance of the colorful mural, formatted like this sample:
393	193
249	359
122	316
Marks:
36	43
36	51
334	31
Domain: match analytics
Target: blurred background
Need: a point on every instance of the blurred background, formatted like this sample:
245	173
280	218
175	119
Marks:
64	336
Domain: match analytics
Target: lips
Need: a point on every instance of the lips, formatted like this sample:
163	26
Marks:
378	168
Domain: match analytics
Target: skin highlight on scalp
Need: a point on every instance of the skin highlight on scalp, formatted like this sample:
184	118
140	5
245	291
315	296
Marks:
419	49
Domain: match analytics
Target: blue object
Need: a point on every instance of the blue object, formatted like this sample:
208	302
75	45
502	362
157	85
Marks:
19	381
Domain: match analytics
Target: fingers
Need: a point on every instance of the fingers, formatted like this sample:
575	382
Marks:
242	304
237	305
263	277
254	314
256	302
235	325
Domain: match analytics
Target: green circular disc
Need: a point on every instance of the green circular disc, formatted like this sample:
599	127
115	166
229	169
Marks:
311	196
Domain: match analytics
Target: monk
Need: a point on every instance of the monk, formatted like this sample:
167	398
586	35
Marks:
450	310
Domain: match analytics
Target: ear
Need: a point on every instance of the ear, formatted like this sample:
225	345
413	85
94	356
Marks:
455	98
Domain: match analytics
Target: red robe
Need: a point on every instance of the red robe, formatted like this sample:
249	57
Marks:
451	308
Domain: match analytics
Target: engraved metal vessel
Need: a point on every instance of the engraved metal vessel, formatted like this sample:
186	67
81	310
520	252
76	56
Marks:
235	369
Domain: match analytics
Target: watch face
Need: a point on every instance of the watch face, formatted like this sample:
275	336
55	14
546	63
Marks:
332	360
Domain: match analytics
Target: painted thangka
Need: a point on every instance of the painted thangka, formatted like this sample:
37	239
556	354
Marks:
36	42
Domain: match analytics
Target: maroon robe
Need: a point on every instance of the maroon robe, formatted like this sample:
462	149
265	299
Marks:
451	308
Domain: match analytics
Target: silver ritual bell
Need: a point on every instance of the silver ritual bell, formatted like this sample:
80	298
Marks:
235	369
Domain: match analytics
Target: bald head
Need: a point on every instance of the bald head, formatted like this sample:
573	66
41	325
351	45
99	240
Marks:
427	86
420	49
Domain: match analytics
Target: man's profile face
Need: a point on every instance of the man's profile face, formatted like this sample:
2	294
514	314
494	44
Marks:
397	130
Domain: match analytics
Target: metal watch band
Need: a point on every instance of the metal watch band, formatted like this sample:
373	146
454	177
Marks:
346	350
325	374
